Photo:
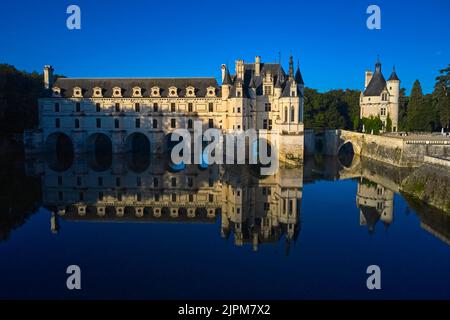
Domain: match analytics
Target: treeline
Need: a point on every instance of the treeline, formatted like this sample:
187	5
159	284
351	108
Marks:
19	92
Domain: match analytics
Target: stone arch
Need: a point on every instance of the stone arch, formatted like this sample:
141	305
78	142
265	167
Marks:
59	150
137	142
99	147
139	149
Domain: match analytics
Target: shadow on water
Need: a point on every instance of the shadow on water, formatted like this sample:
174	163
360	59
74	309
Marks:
346	155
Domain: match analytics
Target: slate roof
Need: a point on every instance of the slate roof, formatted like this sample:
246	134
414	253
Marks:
127	85
393	76
377	84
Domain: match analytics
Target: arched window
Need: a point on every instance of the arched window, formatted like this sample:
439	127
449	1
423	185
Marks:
285	114
292	114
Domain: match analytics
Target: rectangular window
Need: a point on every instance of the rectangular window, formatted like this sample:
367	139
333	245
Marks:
239	110
155	124
210	123
191	198
78	107
117	107
174	182
270	124
190	107
172	107
97	107
265	124
56	107
138	196
155	182
138	123
174	197
99	123
57	123
210	198
137	107
268	107
210	107
155	107
173	123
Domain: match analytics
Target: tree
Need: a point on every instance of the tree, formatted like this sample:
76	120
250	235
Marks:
402	113
388	124
441	98
419	116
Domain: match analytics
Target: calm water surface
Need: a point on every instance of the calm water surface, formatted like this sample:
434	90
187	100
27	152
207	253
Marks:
305	233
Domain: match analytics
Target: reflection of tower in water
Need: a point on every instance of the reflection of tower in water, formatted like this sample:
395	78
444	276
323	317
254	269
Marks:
375	203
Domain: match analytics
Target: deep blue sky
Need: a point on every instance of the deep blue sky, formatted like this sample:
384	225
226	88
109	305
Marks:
137	38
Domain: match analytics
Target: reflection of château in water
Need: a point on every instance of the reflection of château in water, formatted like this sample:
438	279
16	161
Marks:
128	188
375	203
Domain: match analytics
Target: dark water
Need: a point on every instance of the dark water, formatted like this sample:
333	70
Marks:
305	233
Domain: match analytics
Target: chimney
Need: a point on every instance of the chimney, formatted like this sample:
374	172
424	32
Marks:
240	69
257	66
48	76
368	78
224	70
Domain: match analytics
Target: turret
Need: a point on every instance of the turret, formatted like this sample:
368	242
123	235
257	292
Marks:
299	79
226	82
393	86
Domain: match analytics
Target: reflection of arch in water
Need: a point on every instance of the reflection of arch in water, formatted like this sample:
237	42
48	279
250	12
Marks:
99	147
59	151
138	147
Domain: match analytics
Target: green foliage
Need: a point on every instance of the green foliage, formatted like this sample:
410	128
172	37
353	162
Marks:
372	124
388	124
19	92
332	109
441	99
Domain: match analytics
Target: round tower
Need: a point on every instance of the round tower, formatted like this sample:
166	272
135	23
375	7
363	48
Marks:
393	86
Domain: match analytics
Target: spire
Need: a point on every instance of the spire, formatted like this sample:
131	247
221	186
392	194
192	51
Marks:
378	64
278	82
227	79
298	75
393	75
291	67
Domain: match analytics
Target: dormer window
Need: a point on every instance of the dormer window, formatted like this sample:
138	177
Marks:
210	92
97	92
56	91
173	92
117	92
137	92
190	91
77	92
155	92
384	96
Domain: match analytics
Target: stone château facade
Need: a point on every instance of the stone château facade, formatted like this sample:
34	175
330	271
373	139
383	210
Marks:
258	96
381	97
